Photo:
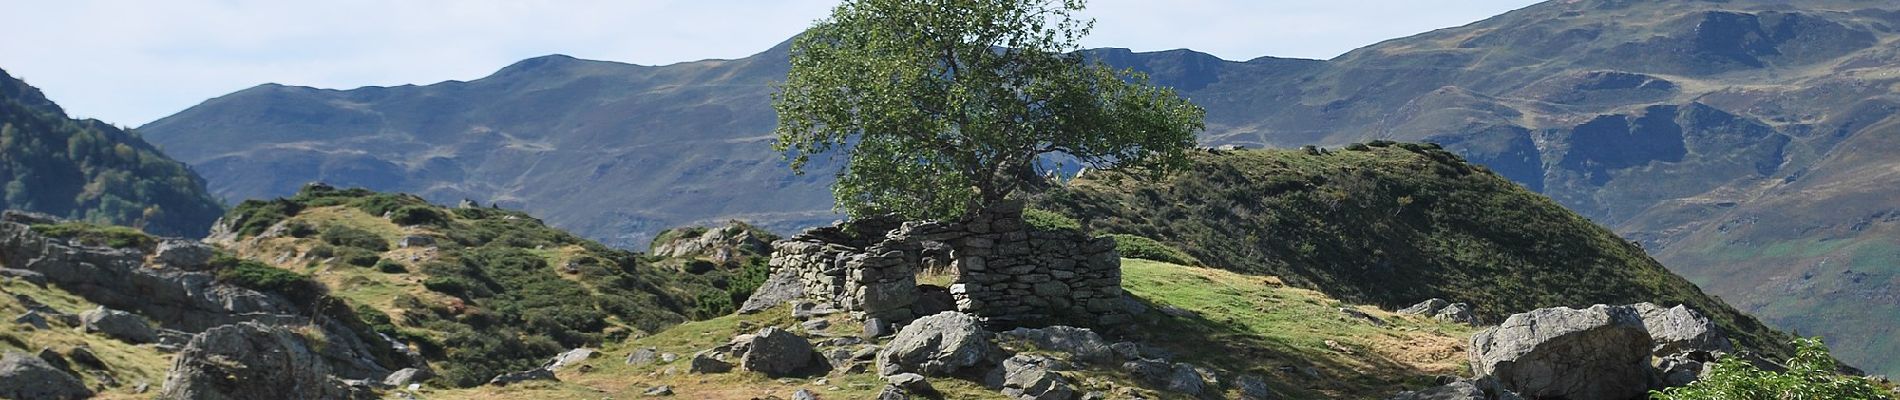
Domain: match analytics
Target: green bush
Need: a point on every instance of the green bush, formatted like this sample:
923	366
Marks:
260	277
391	267
1811	375
91	234
345	236
1044	220
1132	246
255	216
418	215
358	257
299	229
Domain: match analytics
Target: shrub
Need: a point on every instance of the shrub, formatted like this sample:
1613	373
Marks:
358	257
299	229
418	215
1811	376
1044	220
256	216
339	235
1132	246
91	234
260	277
391	267
448	285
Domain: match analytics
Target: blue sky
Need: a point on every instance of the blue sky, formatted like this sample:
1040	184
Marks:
133	61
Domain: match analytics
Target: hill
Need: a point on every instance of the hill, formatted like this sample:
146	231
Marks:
1702	129
1390	224
478	291
93	171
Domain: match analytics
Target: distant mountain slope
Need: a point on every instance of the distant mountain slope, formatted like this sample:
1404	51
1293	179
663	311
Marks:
1391	225
91	170
1690	126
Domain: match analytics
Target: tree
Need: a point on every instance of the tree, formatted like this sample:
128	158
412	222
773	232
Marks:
946	106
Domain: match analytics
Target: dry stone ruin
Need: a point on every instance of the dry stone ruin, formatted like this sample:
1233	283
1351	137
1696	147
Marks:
1000	270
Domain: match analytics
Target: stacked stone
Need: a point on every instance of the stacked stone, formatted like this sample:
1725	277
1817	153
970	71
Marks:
1007	274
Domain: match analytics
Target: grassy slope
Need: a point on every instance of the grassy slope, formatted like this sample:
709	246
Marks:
1389	226
130	364
1253	323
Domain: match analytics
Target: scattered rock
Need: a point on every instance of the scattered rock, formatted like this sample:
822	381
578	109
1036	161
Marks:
31	318
1684	368
910	383
937	345
876	327
1186	379
24	376
1460	390
537	374
804	394
892	393
776	352
119	325
1601	352
705	362
1033	377
403	377
815	325
644	356
782	287
1253	387
668	358
83	355
808	310
569	358
1081	343
1151	372
1361	315
55	359
415	241
1427	307
181	253
35	278
662	390
1456	312
250	361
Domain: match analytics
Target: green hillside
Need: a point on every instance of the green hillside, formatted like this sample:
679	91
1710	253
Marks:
1391	225
92	171
480	291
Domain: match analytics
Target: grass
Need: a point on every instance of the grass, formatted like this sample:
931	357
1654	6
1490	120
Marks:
97	235
129	364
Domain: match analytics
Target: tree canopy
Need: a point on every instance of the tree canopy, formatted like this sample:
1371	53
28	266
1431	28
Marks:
945	106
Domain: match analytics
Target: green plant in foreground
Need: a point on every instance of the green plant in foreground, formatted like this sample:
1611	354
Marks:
1811	375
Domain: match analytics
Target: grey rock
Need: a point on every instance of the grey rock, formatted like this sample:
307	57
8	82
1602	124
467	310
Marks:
119	325
1427	307
403	377
705	362
804	394
23	376
537	374
1081	343
892	393
1254	387
876	327
777	352
1186	379
250	361
668	358
181	253
662	390
1456	312
569	358
909	382
1361	315
31	318
782	287
644	356
1681	329
815	325
1151	372
1601	352
937	345
55	359
415	241
807	310
84	356
1033	377
1684	368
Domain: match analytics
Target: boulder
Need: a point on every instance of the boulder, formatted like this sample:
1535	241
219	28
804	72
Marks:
250	361
1427	307
1253	387
706	362
35	278
1033	377
181	253
643	356
1081	343
569	358
657	391
1684	368
937	345
777	352
1681	329
403	377
804	394
1601	352
31	318
782	287
84	356
24	376
1361	315
537	374
1460	390
1186	379
1456	312
119	325
910	383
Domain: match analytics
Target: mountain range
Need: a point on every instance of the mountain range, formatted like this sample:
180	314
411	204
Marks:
1744	143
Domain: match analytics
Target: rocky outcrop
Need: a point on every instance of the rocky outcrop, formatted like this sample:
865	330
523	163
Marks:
938	345
1680	329
722	245
1601	352
780	288
1034	377
1080	343
251	361
1442	310
776	352
24	376
537	374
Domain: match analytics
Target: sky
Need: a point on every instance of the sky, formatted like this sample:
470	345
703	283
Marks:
130	62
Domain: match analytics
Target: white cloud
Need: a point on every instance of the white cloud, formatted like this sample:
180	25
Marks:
133	61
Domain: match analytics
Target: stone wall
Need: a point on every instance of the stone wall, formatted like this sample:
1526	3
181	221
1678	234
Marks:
1004	272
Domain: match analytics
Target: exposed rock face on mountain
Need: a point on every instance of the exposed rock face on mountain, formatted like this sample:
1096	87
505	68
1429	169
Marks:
252	361
91	170
23	376
1601	352
1739	139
